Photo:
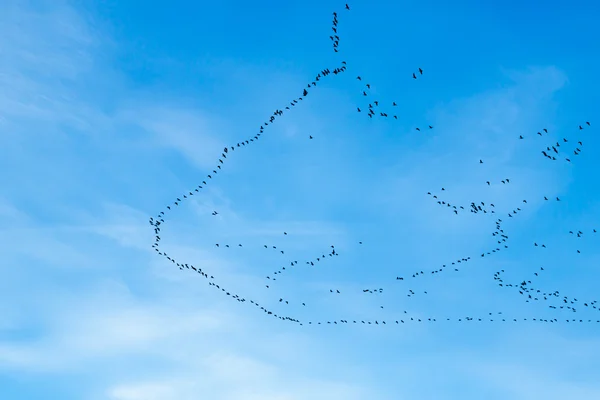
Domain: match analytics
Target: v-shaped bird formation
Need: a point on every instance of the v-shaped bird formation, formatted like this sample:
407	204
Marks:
564	147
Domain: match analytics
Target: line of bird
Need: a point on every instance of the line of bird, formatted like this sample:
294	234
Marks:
160	218
474	208
534	294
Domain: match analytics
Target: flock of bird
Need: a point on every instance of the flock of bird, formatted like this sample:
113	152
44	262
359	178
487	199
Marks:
565	148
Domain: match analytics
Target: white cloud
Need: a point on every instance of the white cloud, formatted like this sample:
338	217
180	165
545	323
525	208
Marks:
187	131
200	348
145	391
44	54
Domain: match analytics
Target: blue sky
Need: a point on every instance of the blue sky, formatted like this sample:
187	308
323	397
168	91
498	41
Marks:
110	110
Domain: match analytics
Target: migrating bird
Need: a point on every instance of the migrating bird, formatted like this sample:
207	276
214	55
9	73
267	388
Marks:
499	233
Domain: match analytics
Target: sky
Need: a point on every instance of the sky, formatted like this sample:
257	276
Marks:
109	111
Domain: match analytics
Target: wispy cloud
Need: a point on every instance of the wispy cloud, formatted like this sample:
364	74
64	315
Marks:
188	132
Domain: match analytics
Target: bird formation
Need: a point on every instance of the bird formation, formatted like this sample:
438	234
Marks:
335	39
374	105
531	293
553	151
527	289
